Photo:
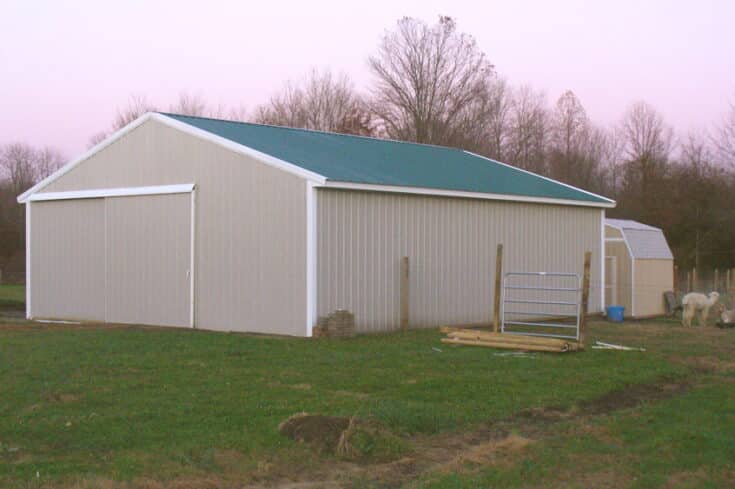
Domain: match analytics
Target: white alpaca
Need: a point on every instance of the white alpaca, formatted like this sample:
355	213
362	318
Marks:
694	303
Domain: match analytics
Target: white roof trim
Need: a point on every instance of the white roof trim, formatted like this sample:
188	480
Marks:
194	131
22	198
113	192
600	204
308	175
458	193
240	148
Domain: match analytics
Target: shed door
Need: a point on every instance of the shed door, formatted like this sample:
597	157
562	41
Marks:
148	259
611	280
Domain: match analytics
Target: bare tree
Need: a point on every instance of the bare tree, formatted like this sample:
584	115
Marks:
322	102
724	139
48	160
648	142
194	105
137	105
497	131
17	161
528	130
23	165
425	77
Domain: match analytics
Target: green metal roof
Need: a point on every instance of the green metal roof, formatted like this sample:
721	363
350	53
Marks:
363	160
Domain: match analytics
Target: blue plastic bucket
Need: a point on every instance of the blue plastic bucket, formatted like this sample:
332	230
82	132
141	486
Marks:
615	313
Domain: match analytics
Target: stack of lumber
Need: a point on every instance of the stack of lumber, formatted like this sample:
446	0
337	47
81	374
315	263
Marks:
458	336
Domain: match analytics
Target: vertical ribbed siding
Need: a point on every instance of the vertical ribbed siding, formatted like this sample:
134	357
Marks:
653	277
451	246
250	242
68	259
148	259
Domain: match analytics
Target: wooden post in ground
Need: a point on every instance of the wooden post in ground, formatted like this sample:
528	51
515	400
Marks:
676	281
717	280
405	304
689	281
695	285
727	279
585	296
498	285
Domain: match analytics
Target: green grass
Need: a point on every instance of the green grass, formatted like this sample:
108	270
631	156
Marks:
12	297
127	403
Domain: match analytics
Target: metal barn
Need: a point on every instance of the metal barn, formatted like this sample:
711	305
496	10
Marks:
639	267
212	224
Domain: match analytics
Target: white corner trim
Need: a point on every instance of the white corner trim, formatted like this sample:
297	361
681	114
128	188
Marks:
602	261
610	201
458	193
113	192
311	258
28	260
240	148
192	262
22	198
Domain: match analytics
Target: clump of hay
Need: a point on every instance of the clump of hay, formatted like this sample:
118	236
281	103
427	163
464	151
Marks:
348	438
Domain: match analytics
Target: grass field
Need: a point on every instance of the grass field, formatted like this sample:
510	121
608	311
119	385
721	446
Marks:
12	297
86	406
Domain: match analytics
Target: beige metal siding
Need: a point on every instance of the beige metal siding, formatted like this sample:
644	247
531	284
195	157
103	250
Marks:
68	259
451	244
149	259
611	232
652	279
250	242
624	274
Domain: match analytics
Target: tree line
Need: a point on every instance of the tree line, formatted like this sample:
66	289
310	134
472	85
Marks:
433	84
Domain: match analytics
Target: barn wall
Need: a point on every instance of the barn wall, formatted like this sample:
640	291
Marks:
451	244
652	279
250	224
624	274
611	232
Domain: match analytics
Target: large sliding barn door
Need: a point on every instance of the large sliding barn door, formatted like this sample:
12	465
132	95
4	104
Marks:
119	259
149	259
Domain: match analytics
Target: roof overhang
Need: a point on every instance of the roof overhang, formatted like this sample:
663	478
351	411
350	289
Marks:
462	194
315	178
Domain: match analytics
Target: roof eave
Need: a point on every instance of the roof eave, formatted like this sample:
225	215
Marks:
462	194
591	194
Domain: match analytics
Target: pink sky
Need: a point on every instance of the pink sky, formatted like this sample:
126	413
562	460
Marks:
66	66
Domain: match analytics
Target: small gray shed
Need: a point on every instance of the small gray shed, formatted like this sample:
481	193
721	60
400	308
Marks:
639	267
196	222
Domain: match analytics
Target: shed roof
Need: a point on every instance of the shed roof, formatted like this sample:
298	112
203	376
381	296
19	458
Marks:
644	241
365	160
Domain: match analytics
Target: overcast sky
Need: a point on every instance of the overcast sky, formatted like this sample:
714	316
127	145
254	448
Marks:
66	66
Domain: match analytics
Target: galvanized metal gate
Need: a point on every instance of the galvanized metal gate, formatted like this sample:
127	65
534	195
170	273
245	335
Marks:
541	304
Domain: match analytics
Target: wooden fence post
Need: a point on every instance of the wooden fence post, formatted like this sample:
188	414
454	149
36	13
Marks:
585	296
405	304
727	279
717	280
676	281
498	284
689	281
695	285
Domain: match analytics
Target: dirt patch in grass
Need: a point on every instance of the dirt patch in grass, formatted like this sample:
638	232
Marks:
358	440
633	396
322	432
